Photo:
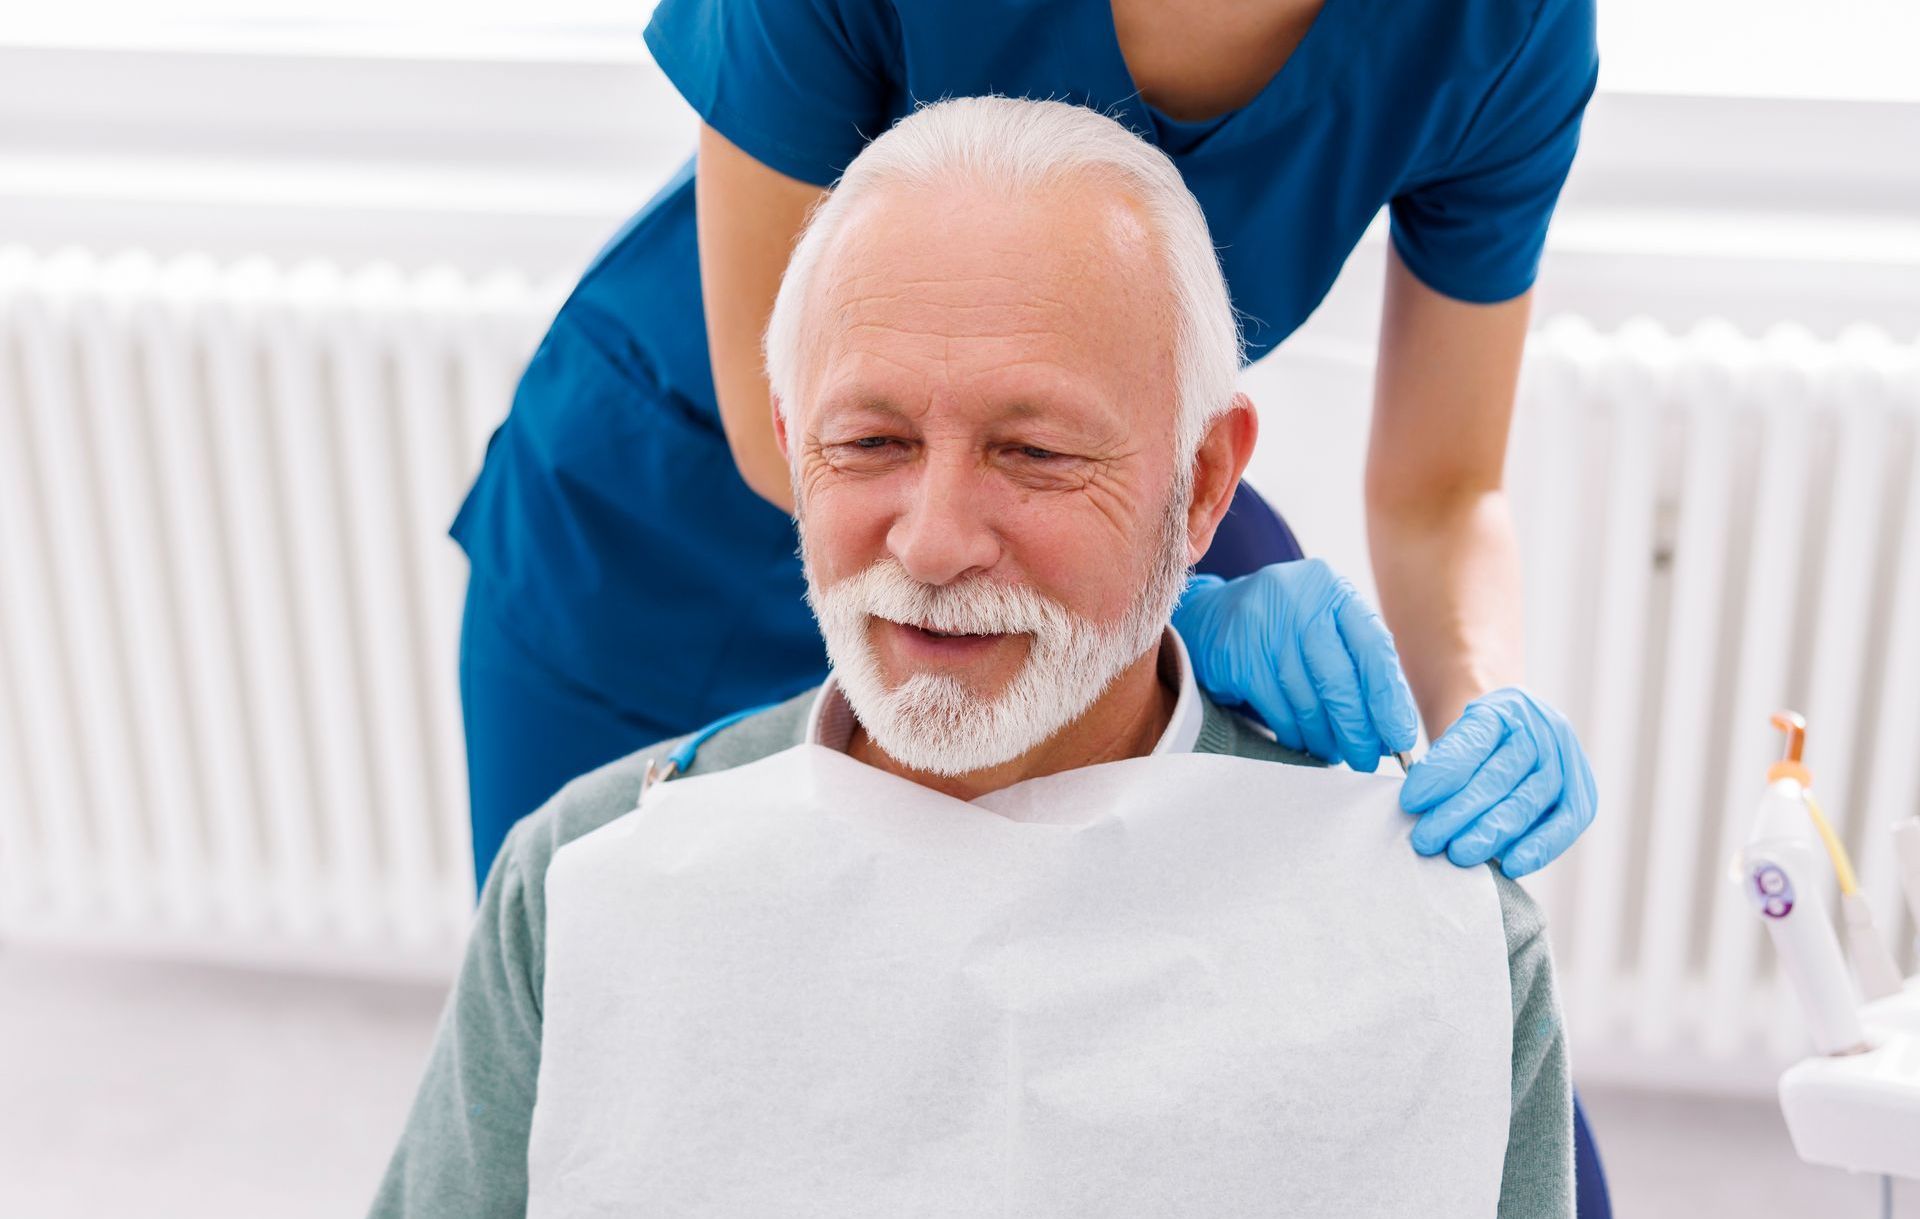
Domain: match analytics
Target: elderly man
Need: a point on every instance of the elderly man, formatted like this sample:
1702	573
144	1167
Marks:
1006	918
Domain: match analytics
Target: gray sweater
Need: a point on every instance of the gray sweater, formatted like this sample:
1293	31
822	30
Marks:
463	1154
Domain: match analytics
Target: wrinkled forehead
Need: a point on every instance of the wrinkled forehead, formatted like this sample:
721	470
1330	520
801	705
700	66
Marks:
968	284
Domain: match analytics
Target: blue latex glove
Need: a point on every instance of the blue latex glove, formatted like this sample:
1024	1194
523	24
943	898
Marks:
1296	644
1508	781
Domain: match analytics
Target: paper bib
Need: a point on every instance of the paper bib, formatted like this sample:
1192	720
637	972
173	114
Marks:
1186	985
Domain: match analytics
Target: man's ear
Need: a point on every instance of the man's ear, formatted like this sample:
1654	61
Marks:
780	431
1217	465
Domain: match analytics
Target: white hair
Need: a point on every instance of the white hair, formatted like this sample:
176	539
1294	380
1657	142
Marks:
1022	146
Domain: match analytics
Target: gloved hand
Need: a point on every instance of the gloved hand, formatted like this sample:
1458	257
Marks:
1294	642
1508	781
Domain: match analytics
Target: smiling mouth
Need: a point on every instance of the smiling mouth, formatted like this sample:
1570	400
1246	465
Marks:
931	633
918	647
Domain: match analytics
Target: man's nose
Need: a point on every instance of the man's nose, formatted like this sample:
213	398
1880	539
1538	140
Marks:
944	532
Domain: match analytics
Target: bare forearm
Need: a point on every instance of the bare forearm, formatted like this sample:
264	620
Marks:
1448	569
1449	581
748	218
1438	524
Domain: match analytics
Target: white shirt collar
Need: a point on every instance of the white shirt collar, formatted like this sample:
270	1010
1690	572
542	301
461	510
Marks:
831	720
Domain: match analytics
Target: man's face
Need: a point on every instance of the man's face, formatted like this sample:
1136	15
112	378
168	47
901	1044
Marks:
987	407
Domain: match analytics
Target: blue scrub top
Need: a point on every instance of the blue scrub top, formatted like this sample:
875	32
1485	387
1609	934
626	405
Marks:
609	526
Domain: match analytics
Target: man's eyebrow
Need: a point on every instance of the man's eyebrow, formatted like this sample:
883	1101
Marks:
1069	408
866	403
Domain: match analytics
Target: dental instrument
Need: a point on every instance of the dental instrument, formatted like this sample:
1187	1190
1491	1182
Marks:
1873	965
1856	1103
1779	871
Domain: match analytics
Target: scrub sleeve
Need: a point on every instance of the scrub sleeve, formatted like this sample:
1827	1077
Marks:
1473	226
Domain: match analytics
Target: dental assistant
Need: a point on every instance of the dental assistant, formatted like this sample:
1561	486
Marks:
635	493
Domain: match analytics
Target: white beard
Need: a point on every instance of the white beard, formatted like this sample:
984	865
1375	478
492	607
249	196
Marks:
934	723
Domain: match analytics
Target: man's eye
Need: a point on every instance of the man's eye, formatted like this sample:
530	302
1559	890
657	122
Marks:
1036	453
873	442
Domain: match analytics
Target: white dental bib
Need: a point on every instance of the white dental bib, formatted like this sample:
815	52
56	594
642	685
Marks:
1188	985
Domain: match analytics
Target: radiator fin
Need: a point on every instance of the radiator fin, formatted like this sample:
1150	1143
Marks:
230	610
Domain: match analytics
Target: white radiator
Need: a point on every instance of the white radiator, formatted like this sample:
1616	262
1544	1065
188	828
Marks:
1715	527
228	608
228	618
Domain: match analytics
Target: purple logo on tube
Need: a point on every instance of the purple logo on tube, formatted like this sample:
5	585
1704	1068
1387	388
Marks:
1772	892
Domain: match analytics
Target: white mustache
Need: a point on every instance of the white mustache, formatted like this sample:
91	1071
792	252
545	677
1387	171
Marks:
975	606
